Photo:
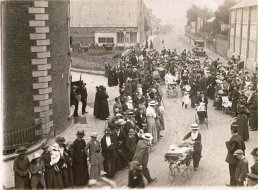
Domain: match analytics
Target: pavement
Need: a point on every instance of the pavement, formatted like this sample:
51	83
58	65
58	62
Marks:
213	169
86	122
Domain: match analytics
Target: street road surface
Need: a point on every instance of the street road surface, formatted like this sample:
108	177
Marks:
213	170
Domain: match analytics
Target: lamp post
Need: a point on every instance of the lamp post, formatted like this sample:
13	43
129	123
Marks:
124	32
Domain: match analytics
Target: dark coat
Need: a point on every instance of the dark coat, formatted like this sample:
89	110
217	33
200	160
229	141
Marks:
108	152
84	93
131	143
140	119
242	122
103	110
241	170
142	153
135	179
96	103
236	142
198	141
254	168
253	117
53	179
80	165
21	173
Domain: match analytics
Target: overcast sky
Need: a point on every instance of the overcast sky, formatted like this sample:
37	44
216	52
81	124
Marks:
174	11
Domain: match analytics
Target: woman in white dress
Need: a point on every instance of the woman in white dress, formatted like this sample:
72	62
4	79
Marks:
151	124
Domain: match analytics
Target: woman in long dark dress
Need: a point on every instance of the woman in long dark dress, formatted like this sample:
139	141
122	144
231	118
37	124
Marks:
103	104
242	122
96	102
80	165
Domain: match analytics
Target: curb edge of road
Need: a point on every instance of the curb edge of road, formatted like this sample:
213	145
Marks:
92	72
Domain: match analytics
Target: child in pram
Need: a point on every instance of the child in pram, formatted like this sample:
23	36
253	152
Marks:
201	112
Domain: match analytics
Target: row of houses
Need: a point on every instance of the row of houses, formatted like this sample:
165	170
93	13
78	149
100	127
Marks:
129	23
36	58
243	33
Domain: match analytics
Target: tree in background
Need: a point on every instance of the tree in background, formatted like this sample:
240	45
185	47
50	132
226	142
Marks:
222	15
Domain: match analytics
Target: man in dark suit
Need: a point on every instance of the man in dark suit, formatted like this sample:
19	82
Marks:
140	119
121	77
236	142
142	156
84	96
108	145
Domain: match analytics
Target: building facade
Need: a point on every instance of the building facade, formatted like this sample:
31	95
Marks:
36	63
244	32
99	22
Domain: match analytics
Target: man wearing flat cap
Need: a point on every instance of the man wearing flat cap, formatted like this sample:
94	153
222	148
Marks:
241	168
236	142
84	96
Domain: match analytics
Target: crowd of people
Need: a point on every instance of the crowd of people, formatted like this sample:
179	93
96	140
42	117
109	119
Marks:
137	121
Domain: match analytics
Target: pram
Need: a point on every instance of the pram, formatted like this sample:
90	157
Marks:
172	90
201	116
179	158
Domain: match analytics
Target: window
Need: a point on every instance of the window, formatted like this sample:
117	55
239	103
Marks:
105	40
120	37
110	40
101	40
133	37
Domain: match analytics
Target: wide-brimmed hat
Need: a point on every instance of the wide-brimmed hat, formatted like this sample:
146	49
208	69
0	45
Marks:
120	122
153	103
255	152
147	136
108	131
131	132
44	146
35	156
80	133
55	146
20	150
94	134
238	152
129	113
194	126
60	140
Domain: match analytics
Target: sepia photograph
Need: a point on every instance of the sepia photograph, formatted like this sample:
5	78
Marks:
129	94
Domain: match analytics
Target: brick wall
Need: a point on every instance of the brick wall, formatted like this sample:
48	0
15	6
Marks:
60	60
17	75
36	65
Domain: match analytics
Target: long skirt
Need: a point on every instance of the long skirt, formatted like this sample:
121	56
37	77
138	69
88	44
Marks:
253	120
162	123
95	171
152	129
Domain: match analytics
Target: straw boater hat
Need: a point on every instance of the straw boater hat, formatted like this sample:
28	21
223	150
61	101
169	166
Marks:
153	103
131	132
194	126
35	156
94	135
147	136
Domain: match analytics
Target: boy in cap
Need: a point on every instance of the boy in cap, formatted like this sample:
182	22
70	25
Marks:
37	170
235	142
21	166
135	176
241	168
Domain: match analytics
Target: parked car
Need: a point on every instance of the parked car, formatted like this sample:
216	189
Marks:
199	48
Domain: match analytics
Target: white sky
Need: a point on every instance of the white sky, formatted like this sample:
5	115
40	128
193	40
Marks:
174	11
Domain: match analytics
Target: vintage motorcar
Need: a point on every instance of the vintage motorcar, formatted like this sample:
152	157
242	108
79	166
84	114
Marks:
198	49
